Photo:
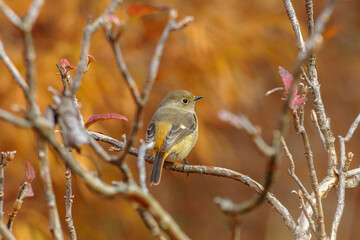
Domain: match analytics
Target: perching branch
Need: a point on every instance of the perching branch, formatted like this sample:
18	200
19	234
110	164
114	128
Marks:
209	170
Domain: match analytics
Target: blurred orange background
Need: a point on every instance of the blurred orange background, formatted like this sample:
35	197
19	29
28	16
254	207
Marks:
230	55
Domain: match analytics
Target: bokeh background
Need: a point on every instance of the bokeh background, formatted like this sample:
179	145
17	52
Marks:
230	55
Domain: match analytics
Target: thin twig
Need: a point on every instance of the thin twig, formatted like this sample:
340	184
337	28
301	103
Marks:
10	14
141	163
68	205
315	185
291	172
14	72
242	122
303	207
316	123
172	25
11	118
85	46
236	228
295	24
17	204
352	129
5	233
54	220
341	191
151	224
125	72
5	157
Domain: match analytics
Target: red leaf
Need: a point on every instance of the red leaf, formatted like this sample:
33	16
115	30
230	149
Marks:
66	65
138	10
96	118
64	62
287	79
30	172
29	192
296	102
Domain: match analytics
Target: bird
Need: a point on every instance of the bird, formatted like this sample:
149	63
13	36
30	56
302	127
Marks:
174	129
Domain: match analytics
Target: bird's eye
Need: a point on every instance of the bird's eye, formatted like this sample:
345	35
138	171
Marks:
185	100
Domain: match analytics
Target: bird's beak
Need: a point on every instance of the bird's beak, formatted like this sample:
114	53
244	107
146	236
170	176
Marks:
198	97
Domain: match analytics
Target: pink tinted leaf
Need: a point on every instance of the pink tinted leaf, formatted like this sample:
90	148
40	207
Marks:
30	172
29	192
295	104
287	80
96	118
66	65
64	62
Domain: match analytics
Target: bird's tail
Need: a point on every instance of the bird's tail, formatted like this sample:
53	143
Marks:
157	169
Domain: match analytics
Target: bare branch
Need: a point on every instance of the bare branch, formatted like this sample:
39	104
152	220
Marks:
295	24
242	122
208	170
151	224
14	71
5	233
303	207
315	185
352	129
341	191
5	157
10	14
68	205
85	46
54	220
141	163
125	72
131	191
11	118
291	172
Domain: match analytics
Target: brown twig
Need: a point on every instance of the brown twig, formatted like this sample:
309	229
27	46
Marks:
341	191
5	233
68	205
291	172
172	25
5	157
45	175
17	204
236	228
315	185
242	122
303	207
295	24
151	224
85	46
11	118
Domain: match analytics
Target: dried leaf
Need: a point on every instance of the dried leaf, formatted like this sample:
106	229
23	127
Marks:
138	10
96	118
30	172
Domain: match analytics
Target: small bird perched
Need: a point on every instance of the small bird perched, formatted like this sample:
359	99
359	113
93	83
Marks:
174	129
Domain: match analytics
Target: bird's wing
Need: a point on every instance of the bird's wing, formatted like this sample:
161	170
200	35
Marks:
150	133
177	133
